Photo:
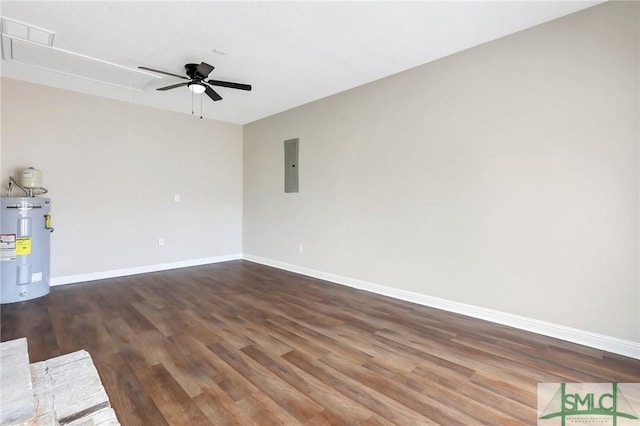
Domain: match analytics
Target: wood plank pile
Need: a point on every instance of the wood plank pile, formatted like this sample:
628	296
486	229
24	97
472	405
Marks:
65	390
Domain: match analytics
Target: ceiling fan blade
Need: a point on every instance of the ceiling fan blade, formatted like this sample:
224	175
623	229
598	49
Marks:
230	84
204	69
173	86
164	72
212	93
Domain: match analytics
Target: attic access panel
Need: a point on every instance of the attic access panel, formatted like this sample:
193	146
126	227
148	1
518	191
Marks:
72	64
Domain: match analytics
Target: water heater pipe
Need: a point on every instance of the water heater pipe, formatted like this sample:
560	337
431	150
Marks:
28	192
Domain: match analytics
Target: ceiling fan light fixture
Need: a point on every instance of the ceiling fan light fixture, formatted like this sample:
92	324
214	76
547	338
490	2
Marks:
197	88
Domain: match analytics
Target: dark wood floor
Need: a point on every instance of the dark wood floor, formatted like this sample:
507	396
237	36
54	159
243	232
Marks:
242	343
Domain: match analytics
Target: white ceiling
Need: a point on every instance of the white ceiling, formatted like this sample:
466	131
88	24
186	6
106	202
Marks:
291	52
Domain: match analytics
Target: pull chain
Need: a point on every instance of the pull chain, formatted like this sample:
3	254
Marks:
201	107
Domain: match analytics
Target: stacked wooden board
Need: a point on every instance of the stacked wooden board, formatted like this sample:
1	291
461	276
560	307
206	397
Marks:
65	390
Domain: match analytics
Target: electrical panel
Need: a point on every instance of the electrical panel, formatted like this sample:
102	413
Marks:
291	166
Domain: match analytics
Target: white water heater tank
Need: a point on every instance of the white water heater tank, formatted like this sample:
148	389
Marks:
25	248
31	178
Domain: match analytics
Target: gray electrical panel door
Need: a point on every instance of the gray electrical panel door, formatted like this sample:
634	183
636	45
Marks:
291	165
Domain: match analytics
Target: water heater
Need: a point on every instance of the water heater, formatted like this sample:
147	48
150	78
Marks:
25	241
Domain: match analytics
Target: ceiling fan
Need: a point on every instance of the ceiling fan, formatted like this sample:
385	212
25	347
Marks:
197	74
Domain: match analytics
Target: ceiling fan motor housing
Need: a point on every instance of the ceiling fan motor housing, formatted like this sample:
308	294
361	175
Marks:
192	72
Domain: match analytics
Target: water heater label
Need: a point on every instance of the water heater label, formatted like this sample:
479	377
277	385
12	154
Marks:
36	277
23	246
7	247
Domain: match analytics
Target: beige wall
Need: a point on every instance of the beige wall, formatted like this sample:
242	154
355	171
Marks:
112	170
505	177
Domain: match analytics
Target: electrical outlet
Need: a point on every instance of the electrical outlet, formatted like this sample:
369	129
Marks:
300	249
161	242
176	198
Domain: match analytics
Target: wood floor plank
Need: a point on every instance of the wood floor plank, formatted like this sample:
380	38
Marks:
508	384
238	343
295	403
313	388
294	338
457	389
264	411
175	404
218	409
469	357
458	410
326	341
127	394
377	402
561	374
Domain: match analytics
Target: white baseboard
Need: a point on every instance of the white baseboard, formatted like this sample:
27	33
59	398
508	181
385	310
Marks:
70	279
594	340
587	338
